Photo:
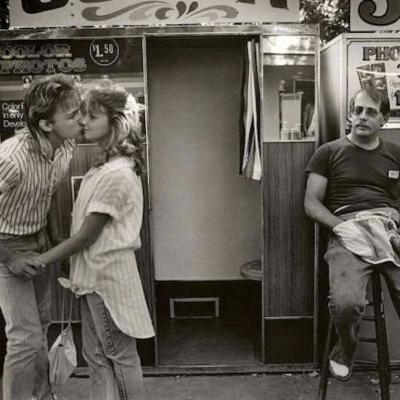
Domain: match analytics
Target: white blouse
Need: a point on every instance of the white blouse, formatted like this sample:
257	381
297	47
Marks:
108	267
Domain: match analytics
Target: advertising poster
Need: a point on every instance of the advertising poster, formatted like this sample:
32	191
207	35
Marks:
11	117
22	61
376	63
88	60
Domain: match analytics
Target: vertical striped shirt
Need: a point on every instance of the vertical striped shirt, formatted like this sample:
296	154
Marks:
108	267
29	175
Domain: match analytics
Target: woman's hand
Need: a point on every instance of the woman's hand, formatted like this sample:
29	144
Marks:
25	267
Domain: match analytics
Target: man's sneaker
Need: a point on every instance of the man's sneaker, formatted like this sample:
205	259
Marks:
340	364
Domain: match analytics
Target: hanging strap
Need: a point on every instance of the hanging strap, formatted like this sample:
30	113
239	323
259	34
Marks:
64	294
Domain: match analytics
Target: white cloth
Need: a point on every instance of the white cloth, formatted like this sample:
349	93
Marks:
372	235
108	267
251	165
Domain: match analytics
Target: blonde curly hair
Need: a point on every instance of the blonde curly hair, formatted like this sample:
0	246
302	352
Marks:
124	114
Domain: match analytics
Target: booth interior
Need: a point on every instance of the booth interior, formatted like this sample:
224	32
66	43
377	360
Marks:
206	216
227	257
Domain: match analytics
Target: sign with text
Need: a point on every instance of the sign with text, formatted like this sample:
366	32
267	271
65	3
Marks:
376	63
71	56
40	13
374	15
23	61
11	117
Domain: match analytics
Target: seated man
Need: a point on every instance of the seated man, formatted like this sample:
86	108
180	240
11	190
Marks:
353	189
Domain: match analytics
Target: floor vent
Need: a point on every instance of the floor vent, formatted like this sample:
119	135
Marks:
194	307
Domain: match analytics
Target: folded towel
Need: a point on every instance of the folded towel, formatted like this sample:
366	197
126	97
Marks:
373	235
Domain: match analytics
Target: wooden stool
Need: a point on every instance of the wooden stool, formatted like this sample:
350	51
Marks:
380	340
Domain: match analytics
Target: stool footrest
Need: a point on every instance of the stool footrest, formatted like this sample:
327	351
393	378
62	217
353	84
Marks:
368	318
369	363
367	340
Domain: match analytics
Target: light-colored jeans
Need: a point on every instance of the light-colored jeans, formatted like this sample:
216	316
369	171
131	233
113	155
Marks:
348	278
25	304
114	364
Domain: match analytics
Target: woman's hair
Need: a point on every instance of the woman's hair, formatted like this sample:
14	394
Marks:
126	136
45	96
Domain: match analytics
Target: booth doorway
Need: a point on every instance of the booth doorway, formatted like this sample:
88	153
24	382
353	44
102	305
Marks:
205	216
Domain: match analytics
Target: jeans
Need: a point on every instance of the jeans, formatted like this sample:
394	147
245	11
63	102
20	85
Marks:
114	364
348	278
25	304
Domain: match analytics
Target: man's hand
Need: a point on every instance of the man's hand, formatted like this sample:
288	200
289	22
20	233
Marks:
24	268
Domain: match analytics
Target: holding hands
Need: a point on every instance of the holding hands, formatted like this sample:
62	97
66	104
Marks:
25	267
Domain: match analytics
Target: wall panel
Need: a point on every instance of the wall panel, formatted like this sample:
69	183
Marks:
289	234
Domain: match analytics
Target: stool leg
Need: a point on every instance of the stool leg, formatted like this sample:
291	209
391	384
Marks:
381	338
324	373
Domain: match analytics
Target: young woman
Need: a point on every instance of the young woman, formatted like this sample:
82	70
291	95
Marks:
105	232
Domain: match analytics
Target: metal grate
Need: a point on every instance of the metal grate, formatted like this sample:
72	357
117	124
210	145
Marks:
194	307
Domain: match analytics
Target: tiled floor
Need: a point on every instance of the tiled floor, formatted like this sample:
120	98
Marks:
214	341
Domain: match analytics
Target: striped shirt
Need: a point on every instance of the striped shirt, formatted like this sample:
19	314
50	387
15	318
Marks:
108	267
29	176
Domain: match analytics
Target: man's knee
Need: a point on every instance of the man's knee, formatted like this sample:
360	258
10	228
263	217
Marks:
347	307
24	343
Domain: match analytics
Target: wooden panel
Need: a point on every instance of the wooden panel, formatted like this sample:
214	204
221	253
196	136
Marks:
289	341
143	254
289	234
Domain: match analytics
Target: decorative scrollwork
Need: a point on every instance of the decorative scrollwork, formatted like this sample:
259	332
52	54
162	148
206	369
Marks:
162	11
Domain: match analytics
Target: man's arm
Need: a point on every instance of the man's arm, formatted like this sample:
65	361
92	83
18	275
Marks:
313	201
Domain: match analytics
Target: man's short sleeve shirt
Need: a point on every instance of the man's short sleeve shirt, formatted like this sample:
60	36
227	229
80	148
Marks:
357	178
28	180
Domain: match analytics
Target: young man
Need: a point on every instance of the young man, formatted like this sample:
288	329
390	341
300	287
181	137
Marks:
32	164
353	189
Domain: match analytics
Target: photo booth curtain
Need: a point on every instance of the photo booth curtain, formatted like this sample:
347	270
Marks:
250	133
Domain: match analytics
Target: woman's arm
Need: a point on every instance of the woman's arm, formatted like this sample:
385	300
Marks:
87	235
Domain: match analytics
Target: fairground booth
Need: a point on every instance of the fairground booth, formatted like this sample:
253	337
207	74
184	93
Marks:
230	90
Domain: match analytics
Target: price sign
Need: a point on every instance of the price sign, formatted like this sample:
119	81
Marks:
374	15
104	52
